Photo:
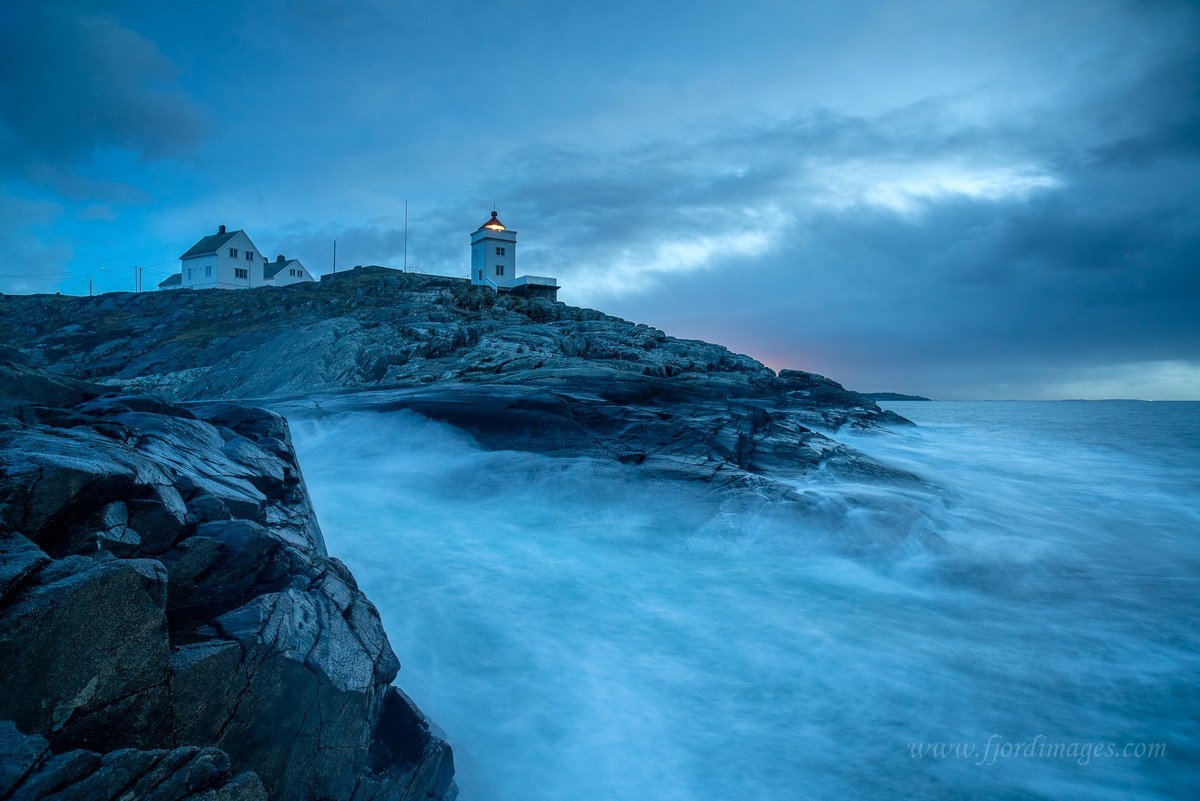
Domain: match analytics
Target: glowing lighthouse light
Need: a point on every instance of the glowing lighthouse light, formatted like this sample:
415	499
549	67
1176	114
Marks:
494	223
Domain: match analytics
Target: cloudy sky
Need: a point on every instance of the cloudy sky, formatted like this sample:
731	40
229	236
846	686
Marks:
958	199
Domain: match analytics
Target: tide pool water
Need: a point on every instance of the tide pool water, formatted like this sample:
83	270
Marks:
1021	625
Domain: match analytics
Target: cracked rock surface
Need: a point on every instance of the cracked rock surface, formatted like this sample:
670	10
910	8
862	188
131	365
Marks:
171	626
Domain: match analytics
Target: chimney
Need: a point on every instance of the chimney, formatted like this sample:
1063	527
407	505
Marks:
221	230
279	257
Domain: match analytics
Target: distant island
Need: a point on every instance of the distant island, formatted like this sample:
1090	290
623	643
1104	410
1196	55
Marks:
892	396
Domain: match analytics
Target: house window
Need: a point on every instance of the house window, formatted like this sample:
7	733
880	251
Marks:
499	269
241	273
189	273
249	256
233	253
499	251
208	271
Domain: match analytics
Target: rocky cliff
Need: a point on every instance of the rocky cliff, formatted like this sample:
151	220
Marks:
517	373
171	626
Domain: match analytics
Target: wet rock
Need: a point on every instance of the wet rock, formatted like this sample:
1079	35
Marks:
170	587
97	635
699	428
30	770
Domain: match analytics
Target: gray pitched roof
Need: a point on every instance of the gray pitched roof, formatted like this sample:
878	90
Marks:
171	280
210	244
273	268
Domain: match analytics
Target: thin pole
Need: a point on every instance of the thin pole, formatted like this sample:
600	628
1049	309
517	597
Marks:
335	255
89	286
406	236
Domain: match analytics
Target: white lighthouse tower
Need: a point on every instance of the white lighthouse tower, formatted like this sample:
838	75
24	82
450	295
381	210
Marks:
494	263
494	255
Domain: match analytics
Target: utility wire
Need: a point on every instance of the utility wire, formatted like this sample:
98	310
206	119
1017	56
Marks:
84	272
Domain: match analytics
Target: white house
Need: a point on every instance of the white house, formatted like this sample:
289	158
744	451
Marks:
494	263
229	260
282	272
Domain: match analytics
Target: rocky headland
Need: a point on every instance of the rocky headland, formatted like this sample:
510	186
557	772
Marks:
517	373
171	625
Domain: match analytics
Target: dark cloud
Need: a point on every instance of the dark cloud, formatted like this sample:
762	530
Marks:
912	250
74	81
1157	113
969	291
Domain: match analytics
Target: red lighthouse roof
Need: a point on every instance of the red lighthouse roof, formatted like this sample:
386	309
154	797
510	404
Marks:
493	223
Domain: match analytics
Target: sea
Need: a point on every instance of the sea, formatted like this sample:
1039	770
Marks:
1023	622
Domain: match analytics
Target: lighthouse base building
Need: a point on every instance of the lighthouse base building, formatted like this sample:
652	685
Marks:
494	263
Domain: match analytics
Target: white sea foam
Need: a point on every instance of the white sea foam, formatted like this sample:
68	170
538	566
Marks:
583	633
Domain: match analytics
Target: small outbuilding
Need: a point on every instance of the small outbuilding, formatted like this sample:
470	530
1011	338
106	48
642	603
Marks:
282	272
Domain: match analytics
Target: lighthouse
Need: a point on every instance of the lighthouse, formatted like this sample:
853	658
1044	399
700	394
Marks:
494	255
494	263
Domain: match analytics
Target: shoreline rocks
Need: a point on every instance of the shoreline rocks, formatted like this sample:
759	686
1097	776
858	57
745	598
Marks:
516	373
170	622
